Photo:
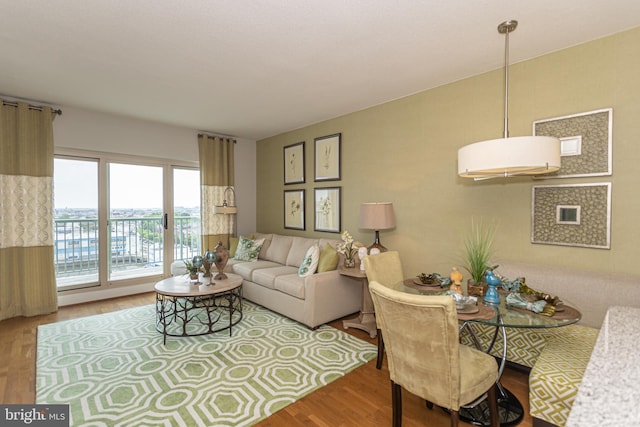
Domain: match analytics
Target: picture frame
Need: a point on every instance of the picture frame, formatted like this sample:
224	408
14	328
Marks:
327	209
572	215
294	209
293	156
327	162
585	140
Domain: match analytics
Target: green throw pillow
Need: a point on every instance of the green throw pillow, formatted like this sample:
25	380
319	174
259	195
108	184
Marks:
309	263
328	258
233	245
248	250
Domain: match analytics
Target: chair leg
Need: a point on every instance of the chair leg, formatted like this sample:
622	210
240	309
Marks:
396	404
493	406
380	350
455	419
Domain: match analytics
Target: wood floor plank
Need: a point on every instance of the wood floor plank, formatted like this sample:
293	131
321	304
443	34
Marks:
360	398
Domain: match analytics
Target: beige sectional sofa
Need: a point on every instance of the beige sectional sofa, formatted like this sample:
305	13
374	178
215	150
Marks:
273	282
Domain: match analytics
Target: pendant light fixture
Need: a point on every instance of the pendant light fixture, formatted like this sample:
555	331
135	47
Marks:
509	156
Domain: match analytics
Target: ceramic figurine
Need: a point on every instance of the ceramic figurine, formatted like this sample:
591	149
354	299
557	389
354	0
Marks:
456	281
362	254
492	292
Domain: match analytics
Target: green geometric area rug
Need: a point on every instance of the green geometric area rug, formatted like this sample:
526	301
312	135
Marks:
113	369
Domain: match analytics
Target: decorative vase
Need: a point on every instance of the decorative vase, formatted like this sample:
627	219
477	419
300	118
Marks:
193	278
221	259
492	291
476	289
349	263
209	259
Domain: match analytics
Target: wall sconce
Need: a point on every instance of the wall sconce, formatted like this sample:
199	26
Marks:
377	216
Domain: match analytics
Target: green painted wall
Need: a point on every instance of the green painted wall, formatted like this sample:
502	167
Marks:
405	151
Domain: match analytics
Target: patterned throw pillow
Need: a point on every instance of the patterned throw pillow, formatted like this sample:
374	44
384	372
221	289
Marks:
248	250
309	262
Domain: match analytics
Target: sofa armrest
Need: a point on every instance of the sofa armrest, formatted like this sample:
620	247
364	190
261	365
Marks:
334	296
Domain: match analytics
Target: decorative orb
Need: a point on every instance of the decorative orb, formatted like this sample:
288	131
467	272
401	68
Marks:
197	261
210	256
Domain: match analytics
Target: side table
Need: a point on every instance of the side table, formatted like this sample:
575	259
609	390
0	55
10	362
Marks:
366	320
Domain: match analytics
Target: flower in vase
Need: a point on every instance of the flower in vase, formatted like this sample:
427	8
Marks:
348	247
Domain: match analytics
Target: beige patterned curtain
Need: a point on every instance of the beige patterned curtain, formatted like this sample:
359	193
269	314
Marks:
27	276
216	174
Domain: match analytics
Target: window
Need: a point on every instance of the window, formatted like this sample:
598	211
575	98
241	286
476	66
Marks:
122	220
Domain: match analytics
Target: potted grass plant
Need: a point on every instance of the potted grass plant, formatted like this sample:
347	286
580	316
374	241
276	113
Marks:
192	269
478	250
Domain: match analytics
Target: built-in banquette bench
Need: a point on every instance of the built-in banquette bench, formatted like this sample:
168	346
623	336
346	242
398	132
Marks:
558	357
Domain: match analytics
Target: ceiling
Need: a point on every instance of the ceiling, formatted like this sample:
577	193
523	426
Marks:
257	68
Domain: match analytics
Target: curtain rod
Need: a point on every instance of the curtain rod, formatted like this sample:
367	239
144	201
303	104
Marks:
214	135
32	107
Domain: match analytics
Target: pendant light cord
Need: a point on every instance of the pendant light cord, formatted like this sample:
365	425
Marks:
506	84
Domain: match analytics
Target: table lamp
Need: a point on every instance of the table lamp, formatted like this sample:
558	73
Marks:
377	216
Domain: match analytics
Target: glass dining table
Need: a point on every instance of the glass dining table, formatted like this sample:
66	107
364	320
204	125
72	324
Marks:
499	316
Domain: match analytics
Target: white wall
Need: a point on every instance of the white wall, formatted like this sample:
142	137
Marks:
89	130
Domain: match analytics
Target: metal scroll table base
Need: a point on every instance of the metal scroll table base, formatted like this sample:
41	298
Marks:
509	407
182	316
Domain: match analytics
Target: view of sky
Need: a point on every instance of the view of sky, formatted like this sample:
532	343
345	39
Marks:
131	186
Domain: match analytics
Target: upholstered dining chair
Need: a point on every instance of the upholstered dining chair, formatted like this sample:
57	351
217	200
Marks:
425	357
384	268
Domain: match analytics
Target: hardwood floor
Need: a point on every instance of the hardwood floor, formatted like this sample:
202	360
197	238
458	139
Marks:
360	398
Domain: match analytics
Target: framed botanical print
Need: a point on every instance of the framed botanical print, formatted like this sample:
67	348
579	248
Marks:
327	209
294	209
327	157
294	163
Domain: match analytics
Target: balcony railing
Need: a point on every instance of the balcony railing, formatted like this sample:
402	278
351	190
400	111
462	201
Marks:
136	247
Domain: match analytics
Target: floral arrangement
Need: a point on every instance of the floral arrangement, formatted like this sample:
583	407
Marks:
348	247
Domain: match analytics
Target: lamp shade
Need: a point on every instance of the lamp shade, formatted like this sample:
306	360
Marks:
224	209
377	216
521	155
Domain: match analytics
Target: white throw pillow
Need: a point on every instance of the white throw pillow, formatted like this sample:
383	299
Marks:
248	250
309	263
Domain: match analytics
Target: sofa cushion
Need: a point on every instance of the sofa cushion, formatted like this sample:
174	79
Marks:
279	249
329	258
247	269
267	276
248	250
299	248
291	284
309	263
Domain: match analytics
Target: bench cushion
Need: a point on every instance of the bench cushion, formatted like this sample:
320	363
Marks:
523	344
556	376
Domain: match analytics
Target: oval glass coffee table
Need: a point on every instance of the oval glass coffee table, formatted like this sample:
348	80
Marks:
187	309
